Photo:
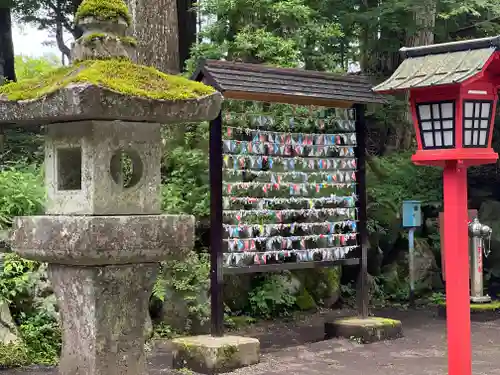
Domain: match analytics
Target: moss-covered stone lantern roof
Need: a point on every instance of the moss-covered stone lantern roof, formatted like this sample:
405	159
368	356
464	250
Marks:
104	83
103	10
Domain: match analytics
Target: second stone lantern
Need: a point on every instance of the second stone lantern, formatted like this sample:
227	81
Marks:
103	233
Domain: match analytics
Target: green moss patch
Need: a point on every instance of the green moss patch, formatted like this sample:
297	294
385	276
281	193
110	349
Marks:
369	322
121	76
491	306
305	301
91	38
494	305
103	10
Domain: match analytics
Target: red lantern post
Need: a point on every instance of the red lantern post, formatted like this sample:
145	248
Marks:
453	96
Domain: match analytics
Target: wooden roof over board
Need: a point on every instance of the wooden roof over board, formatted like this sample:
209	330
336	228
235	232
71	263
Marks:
257	82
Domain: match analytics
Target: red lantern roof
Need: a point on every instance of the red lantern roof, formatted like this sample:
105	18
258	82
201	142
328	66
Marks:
442	64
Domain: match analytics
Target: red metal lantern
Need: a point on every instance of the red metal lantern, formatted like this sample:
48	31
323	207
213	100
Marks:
455	122
453	97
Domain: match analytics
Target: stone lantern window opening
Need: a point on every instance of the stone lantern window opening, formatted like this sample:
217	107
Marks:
69	168
126	168
476	122
436	124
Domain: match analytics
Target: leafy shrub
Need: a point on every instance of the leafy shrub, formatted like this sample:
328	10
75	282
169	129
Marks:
39	331
42	336
14	354
271	297
185	171
16	281
401	180
21	193
189	281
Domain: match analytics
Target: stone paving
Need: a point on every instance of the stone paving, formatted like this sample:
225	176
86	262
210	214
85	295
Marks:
299	350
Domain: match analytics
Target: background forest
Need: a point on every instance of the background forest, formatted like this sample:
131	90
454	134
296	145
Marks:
359	36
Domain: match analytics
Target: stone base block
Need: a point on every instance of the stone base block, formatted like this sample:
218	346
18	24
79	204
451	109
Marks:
479	312
367	330
214	355
103	315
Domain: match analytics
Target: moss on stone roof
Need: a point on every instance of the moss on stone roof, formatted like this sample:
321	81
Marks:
103	10
120	76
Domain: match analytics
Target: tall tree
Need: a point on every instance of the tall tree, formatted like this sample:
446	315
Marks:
187	33
155	26
284	32
55	16
7	69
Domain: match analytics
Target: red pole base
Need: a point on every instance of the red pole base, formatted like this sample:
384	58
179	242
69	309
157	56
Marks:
457	269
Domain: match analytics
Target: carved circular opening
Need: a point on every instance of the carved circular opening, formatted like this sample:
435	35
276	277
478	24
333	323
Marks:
126	168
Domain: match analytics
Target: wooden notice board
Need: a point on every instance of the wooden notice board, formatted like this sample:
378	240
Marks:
472	215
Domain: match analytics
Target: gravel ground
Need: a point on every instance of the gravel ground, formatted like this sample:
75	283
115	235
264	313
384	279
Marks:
297	348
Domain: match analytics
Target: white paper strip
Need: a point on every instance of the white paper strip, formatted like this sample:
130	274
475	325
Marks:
327	254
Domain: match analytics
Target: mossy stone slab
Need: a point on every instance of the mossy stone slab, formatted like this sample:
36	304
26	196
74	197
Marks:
367	330
107	90
479	312
214	355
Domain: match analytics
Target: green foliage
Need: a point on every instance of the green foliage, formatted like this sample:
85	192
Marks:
163	331
31	67
285	33
305	301
271	297
14	354
397	179
21	193
16	279
437	299
185	169
188	281
42	337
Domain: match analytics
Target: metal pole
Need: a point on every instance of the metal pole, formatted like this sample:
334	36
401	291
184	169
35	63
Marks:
216	228
363	298
476	242
411	263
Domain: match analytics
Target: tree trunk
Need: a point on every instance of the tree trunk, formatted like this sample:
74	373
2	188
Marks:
155	26
424	15
7	68
187	33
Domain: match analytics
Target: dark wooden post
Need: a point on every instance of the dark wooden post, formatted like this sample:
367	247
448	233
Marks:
216	231
363	297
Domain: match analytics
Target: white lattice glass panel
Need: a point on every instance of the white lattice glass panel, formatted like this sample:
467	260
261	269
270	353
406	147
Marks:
426	125
469	109
448	138
467	137
485	110
428	140
424	112
476	122
447	110
448	124
483	138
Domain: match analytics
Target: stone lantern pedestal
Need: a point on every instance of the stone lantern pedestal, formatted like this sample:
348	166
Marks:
103	234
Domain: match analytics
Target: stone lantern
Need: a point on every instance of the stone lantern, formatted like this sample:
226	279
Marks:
103	233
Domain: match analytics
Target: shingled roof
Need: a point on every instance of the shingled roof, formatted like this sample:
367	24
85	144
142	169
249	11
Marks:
440	64
296	86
